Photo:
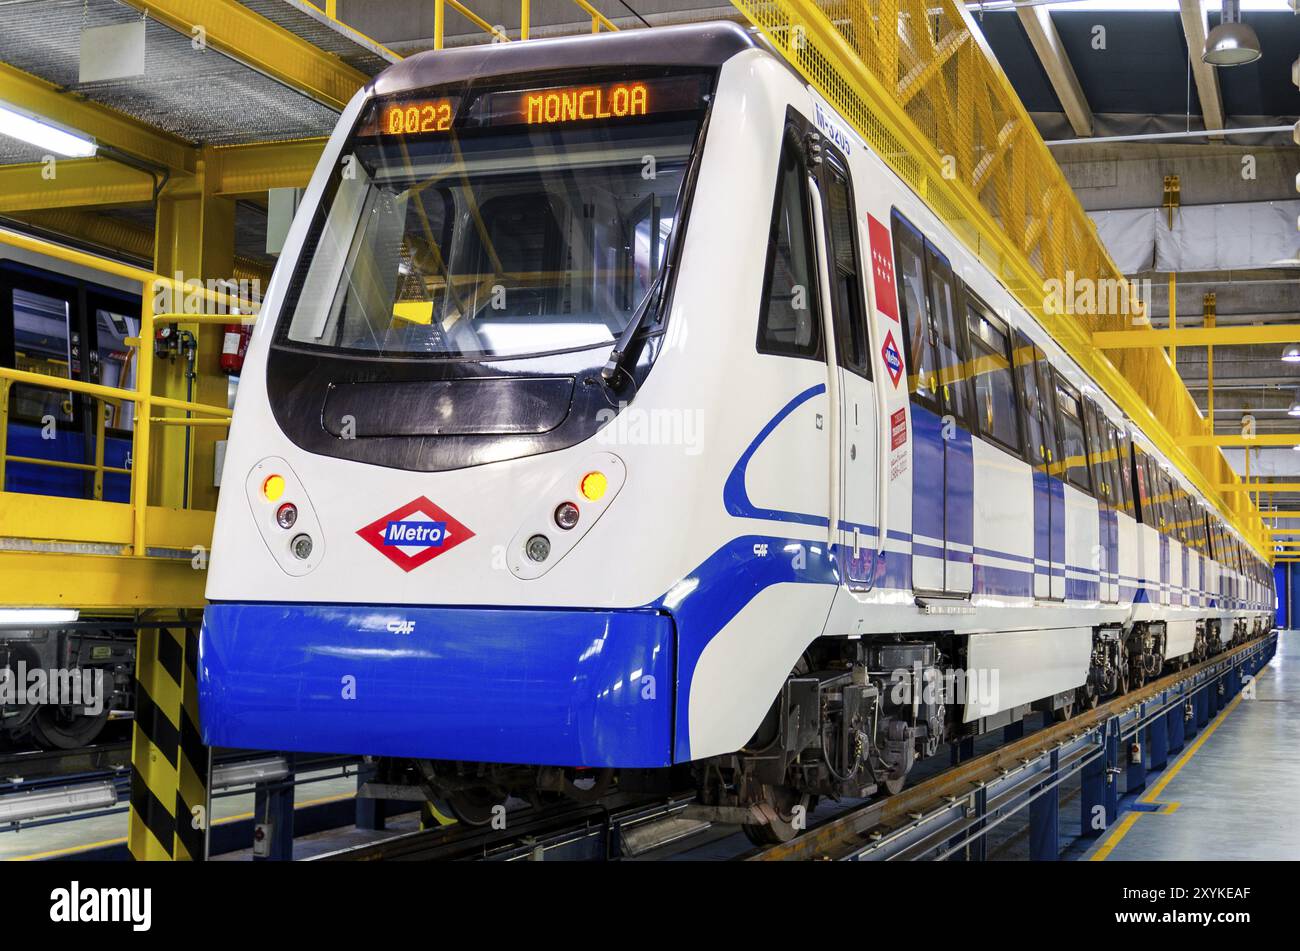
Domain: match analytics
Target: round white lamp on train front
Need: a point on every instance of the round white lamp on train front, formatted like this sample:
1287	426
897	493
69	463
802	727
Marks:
1291	353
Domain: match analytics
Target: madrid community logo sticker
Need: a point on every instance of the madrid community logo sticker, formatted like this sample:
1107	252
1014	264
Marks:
414	534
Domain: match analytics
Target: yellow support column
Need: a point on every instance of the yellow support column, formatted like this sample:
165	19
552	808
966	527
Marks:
195	239
170	767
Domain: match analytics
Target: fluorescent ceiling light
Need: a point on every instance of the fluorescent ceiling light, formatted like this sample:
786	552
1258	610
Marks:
43	134
37	617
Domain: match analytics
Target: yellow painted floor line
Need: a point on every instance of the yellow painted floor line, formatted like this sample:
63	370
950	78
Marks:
1147	798
1116	834
74	849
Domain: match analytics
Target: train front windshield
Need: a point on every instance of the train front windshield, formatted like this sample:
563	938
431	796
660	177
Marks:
500	225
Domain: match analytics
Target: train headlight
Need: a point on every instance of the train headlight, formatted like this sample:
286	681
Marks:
538	548
593	486
301	547
273	487
566	515
286	515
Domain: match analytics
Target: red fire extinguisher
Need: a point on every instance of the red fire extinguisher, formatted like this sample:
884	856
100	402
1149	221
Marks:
234	345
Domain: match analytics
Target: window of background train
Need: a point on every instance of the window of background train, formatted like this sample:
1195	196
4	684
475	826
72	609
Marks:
909	262
1074	450
850	325
789	325
995	389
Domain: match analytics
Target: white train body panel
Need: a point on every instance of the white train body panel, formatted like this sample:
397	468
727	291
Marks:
795	511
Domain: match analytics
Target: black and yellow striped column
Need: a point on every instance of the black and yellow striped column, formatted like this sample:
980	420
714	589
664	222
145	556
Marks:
169	765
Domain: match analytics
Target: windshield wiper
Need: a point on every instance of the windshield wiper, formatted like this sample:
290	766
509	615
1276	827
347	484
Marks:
617	356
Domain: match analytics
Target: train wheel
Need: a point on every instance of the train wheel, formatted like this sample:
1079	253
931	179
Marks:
1065	711
893	787
67	728
473	807
782	805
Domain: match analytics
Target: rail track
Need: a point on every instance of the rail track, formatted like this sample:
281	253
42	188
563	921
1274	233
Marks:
936	818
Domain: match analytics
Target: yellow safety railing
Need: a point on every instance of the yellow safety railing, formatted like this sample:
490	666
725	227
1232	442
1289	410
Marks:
598	20
142	397
914	78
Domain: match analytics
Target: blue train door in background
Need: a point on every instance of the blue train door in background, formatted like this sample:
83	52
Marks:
66	328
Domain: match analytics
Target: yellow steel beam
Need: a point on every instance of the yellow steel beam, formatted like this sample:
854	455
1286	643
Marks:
1148	338
98	582
250	169
116	235
1259	487
233	29
105	125
1279	514
1237	439
76	183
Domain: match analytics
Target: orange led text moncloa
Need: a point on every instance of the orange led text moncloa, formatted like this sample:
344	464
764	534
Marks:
587	102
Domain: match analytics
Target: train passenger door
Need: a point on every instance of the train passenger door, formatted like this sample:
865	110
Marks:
1100	453
859	432
1040	451
943	521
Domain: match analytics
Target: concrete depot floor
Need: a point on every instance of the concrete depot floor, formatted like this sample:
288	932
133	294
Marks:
1234	791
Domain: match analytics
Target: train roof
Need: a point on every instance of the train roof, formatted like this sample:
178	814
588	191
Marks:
696	44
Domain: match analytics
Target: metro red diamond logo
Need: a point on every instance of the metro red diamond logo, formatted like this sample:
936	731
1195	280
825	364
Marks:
416	533
893	359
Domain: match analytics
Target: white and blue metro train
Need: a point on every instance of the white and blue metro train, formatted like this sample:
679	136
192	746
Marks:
615	414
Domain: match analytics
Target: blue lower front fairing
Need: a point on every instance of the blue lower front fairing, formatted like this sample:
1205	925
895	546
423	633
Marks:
553	687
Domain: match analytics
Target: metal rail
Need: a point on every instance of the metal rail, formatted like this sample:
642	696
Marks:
956	809
583	831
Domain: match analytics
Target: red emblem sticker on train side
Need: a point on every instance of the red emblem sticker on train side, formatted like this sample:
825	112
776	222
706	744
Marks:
893	359
897	429
882	268
414	534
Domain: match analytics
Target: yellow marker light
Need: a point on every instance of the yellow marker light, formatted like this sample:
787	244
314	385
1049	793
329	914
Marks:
273	487
593	486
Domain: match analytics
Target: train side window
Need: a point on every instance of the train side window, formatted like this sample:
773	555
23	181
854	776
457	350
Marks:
1208	525
790	325
1184	514
1142	494
1156	488
909	264
1051	428
1111	436
1092	430
1167	502
1074	450
952	349
846	279
1023	358
1123	462
995	386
